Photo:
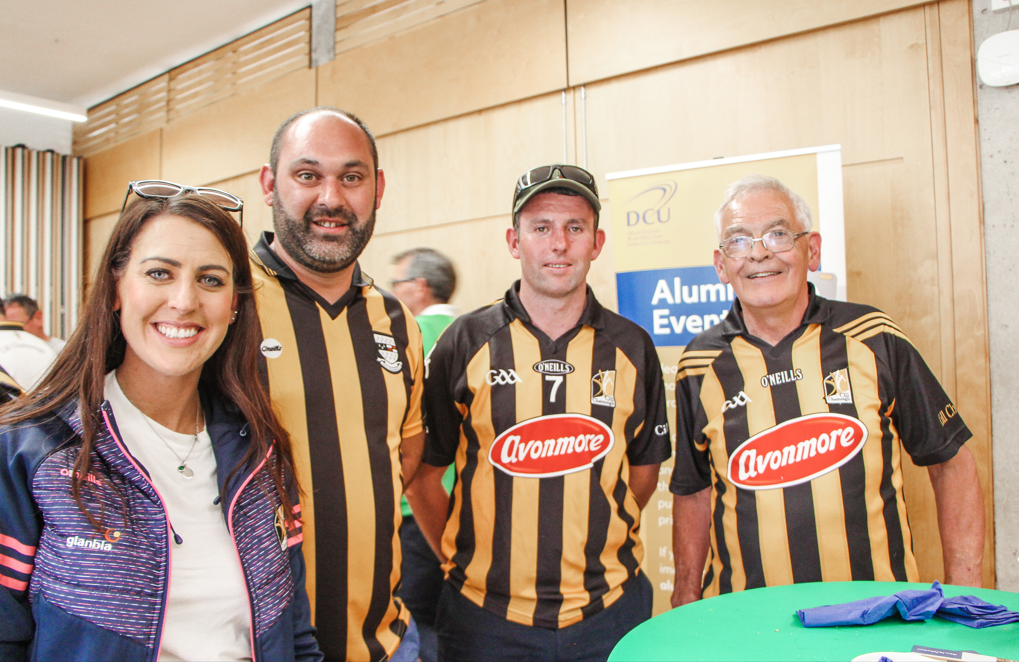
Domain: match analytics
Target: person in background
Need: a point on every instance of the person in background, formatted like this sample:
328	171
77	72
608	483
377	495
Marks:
553	410
25	358
790	416
23	308
344	365
147	490
424	280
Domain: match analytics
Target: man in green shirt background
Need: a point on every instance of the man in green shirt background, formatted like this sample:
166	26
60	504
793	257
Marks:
424	280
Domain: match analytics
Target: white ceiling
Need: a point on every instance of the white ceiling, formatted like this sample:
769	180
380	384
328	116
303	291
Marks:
86	52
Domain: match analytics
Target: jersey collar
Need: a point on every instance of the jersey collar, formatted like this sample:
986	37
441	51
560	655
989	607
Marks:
593	315
11	326
266	259
818	311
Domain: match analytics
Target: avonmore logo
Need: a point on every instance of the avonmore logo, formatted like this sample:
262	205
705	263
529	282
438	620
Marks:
796	451
551	446
88	543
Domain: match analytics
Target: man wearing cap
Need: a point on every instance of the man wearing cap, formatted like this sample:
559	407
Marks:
791	416
553	411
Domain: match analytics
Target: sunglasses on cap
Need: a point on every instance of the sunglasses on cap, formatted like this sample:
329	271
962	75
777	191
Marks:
540	179
158	188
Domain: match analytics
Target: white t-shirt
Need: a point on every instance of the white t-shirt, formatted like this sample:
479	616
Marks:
208	616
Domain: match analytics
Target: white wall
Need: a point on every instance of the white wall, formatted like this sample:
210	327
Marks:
35	131
998	115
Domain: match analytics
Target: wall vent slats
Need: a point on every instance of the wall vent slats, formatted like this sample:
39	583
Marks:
243	64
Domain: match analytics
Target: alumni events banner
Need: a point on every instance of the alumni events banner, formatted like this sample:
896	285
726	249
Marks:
663	239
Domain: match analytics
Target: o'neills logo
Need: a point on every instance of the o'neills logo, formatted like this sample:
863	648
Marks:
796	451
88	543
551	446
553	367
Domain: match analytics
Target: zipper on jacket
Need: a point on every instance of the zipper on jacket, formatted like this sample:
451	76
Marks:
233	539
169	529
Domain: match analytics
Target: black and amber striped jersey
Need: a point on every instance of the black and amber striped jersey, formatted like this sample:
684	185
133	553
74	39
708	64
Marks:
542	527
800	444
346	380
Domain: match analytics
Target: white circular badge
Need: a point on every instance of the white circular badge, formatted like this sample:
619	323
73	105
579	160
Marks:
271	348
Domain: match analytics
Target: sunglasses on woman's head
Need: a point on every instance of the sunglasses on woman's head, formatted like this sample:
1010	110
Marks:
158	188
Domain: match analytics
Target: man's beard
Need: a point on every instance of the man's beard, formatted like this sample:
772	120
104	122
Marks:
321	254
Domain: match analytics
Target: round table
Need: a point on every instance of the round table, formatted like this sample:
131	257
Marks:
761	624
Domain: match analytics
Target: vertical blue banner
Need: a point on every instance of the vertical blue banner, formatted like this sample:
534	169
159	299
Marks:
673	305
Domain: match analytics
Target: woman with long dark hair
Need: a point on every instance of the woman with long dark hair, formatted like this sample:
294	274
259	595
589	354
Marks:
148	500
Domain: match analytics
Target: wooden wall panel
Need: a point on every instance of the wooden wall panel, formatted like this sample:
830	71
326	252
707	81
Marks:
108	172
477	248
466	167
607	38
232	136
97	233
257	214
485	55
862	85
969	285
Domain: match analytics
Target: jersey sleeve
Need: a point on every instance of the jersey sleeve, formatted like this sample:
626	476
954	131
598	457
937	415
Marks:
692	470
931	429
651	444
20	529
443	417
414	423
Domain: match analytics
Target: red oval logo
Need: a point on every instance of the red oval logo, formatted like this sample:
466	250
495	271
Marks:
551	446
796	451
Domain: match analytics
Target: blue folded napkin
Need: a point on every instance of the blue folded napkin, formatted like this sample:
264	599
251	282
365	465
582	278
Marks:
912	605
974	612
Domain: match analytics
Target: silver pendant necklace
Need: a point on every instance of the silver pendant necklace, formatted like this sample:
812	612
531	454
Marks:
183	469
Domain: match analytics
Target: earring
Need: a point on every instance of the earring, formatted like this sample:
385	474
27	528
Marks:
234	318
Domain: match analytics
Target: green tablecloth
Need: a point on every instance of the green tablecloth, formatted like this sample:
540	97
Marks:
761	624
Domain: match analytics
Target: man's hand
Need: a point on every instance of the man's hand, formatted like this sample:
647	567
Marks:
411	449
430	503
960	518
643	481
691	520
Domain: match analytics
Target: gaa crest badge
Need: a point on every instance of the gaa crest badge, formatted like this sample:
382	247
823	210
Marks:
836	388
388	356
603	388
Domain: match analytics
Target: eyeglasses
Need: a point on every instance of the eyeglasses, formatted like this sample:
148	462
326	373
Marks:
157	188
776	241
394	283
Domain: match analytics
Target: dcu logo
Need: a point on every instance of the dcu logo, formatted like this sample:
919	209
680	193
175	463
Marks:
648	205
551	446
796	451
389	357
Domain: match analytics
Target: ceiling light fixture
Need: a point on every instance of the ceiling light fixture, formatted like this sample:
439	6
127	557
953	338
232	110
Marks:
64	111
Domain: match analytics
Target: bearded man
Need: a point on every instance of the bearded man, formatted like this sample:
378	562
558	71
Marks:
344	366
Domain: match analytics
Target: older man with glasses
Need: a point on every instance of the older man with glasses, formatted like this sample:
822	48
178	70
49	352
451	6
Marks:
790	418
553	410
